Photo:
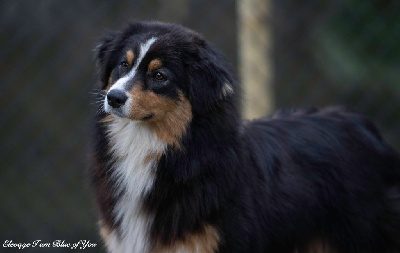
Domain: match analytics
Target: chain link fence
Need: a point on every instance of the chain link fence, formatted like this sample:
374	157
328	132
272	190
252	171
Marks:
322	53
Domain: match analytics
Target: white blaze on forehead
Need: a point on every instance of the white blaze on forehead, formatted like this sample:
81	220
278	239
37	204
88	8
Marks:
120	84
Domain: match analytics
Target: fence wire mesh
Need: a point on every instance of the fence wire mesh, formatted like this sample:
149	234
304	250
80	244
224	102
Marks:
322	53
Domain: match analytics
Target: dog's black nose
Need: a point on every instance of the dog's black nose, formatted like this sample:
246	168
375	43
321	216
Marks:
116	98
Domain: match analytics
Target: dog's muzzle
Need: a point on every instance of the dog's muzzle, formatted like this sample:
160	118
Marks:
116	98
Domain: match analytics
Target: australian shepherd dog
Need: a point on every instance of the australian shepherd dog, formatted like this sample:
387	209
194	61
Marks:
175	169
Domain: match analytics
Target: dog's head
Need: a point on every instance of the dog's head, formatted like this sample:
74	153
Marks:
152	70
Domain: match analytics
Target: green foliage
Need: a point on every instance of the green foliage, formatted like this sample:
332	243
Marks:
360	44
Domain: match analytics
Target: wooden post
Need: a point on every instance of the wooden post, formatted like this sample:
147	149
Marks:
255	64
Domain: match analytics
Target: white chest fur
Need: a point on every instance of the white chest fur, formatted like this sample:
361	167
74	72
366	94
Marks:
131	144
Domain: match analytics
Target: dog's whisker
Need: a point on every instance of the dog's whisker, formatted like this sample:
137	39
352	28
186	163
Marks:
97	103
100	110
97	94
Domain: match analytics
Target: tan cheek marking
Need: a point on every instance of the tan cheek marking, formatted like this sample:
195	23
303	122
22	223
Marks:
129	56
144	103
174	124
107	119
155	64
171	117
206	242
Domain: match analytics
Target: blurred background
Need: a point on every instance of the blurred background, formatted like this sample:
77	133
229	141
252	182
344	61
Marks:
288	53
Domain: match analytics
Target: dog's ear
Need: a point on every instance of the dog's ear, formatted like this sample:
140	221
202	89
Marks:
210	78
102	54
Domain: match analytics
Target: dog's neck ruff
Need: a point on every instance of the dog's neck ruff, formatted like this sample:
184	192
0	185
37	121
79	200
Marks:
131	145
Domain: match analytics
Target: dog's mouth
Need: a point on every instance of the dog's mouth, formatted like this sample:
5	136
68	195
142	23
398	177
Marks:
120	112
149	116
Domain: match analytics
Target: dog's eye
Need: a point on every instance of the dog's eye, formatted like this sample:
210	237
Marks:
124	65
159	76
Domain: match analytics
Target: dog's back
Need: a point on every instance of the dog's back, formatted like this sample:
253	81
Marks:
327	175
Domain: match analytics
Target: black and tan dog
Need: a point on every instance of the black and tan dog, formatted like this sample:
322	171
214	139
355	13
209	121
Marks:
176	170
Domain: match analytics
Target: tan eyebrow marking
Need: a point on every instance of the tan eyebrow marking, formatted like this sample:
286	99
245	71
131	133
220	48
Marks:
155	64
129	56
